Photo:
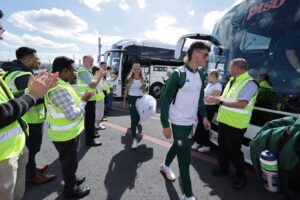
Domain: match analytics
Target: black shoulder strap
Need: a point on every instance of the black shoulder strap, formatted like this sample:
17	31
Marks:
181	82
182	77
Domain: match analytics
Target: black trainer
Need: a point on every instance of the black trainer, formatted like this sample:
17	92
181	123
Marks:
96	135
80	180
78	192
94	143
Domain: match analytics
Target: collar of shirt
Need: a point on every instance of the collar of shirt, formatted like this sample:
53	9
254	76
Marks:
190	68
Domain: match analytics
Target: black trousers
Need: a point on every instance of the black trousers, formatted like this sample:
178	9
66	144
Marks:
33	143
230	143
67	153
89	121
201	134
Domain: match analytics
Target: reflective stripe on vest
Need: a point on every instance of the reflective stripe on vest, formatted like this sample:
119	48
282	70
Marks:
64	128
100	95
60	128
7	135
12	138
236	117
51	111
34	115
241	111
82	87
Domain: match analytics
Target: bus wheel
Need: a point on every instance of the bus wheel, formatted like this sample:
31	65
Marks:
155	89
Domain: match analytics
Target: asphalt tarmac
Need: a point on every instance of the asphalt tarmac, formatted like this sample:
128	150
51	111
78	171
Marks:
114	171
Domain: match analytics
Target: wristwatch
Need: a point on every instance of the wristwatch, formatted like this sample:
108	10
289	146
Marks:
221	102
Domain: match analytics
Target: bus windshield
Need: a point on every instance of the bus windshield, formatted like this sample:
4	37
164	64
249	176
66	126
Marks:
113	60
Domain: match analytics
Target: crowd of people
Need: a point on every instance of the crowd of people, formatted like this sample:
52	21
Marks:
181	103
183	98
27	100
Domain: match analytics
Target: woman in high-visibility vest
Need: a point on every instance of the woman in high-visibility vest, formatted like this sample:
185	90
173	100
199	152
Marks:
100	105
135	88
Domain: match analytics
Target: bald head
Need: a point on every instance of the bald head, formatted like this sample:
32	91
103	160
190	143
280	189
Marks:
238	66
88	61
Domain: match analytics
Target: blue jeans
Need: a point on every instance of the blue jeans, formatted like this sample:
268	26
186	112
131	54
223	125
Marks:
108	100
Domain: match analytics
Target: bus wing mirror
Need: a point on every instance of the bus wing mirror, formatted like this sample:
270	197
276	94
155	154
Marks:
179	47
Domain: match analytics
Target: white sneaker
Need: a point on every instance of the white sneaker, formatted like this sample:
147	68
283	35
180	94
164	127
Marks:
97	126
167	172
134	144
204	149
101	127
195	146
188	198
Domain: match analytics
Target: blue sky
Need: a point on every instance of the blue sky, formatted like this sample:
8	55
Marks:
71	27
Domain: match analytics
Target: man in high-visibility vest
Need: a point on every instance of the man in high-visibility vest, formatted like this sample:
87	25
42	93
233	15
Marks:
13	155
85	82
234	115
65	120
266	92
18	73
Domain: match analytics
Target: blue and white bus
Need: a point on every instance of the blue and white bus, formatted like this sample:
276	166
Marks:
267	34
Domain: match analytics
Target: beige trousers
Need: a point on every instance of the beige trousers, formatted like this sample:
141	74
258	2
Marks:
99	110
13	173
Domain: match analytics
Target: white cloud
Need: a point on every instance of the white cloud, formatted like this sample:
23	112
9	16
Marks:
60	24
191	13
124	5
166	30
15	41
94	4
212	17
117	29
92	38
141	4
54	22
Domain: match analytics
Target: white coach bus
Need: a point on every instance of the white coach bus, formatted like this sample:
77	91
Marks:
156	60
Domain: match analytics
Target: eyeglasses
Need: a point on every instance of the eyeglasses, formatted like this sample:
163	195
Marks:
204	53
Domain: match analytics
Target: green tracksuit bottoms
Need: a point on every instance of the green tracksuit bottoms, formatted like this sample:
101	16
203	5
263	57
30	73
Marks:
134	115
181	148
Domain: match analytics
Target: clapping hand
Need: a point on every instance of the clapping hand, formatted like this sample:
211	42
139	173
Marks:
87	95
38	85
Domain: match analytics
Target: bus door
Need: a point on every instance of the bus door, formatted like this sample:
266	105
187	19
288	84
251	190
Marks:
113	59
